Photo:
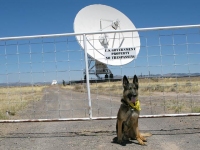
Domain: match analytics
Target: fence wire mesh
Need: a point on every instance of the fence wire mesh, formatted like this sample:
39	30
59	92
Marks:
44	77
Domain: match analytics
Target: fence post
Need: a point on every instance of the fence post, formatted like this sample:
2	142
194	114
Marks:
87	76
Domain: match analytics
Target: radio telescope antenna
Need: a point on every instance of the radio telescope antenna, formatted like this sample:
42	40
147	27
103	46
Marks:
107	48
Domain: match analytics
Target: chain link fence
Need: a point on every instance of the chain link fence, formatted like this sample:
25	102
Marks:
51	78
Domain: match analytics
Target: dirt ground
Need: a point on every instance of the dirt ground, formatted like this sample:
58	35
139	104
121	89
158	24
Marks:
180	133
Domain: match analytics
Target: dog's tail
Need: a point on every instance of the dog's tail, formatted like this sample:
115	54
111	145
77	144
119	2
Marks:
146	134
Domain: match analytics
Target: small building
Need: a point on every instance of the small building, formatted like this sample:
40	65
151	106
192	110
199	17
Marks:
54	82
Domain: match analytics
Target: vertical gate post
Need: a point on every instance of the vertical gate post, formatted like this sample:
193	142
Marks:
87	77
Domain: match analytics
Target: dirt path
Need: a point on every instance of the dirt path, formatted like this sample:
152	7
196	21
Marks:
168	133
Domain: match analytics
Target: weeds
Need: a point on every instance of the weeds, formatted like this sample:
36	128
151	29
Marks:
196	109
147	86
13	99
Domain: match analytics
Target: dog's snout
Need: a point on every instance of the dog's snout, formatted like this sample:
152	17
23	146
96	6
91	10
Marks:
133	93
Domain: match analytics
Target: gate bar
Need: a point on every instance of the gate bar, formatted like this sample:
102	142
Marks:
99	32
97	118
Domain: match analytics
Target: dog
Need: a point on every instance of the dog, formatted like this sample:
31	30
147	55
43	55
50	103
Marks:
128	114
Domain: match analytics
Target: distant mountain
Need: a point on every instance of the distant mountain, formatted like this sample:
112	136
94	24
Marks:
173	75
116	77
24	84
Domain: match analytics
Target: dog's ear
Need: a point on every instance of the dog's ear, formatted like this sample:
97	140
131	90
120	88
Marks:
135	81
125	81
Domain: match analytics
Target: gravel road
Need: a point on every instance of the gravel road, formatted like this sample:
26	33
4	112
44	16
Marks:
181	133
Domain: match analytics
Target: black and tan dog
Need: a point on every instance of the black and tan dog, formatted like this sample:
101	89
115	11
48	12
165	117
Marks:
128	114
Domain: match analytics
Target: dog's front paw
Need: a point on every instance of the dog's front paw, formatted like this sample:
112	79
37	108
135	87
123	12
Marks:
125	138
119	141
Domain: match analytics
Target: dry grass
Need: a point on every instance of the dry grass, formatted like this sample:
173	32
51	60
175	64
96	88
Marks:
13	99
105	88
147	86
174	106
183	106
196	109
180	85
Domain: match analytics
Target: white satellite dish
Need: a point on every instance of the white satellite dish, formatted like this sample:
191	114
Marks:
111	48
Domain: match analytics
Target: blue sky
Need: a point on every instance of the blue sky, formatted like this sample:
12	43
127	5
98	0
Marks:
38	17
32	17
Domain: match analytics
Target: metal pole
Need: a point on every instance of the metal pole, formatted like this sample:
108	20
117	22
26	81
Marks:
99	32
87	77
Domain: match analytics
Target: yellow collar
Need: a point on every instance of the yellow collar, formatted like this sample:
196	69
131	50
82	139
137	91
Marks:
136	106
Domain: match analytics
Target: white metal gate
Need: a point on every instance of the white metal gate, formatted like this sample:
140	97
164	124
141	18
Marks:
167	67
